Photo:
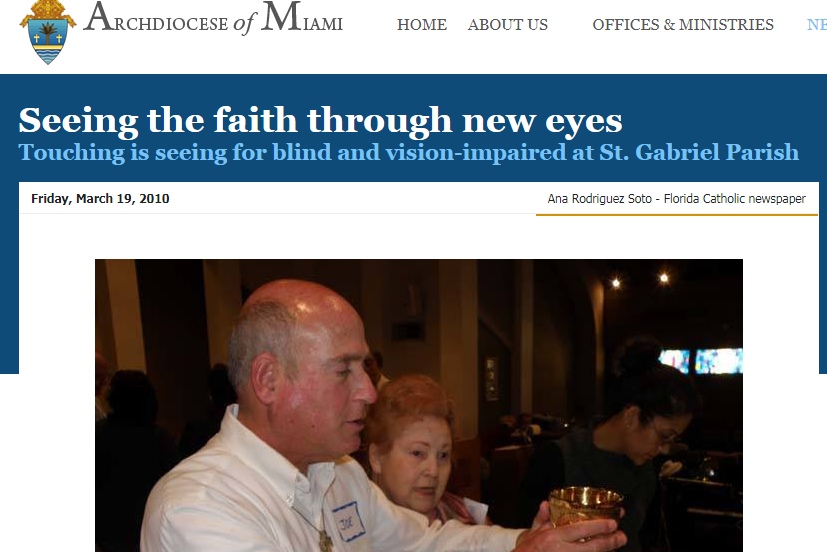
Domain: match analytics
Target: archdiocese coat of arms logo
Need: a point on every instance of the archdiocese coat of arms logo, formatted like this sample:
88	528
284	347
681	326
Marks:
48	28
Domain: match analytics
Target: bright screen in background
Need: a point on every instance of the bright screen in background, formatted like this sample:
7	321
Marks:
676	358
719	361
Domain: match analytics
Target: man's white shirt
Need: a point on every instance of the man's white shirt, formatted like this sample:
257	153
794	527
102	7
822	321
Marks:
238	494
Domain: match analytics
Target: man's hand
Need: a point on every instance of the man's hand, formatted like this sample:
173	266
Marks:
602	534
543	516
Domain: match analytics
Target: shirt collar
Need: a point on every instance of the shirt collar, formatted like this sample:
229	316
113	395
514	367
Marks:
304	494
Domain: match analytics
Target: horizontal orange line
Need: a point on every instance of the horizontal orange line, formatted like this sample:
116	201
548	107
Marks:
677	214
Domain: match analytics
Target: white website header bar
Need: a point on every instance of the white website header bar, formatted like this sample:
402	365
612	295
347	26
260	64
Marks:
325	36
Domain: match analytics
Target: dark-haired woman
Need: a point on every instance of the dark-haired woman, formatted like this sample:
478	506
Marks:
649	405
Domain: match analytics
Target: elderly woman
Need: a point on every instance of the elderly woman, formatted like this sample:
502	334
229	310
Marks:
409	432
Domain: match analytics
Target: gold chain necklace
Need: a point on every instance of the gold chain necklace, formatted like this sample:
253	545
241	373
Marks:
325	542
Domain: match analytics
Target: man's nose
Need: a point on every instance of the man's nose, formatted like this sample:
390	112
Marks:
366	392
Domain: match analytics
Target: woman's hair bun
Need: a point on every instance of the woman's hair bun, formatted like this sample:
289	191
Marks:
643	381
637	357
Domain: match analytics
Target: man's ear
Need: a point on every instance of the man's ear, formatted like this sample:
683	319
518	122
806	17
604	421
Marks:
266	373
631	416
373	458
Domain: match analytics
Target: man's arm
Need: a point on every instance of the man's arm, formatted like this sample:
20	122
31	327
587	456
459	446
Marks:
394	528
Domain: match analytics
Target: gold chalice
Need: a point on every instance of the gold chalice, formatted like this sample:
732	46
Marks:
573	504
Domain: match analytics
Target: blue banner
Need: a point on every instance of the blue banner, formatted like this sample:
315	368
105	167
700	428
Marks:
676	128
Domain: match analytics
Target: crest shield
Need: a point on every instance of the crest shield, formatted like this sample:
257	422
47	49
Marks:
48	37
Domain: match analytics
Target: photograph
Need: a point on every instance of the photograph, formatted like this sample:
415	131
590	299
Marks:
358	404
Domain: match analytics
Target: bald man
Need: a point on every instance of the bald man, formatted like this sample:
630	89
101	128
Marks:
277	476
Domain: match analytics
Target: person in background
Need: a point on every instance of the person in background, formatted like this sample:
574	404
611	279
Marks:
131	455
101	379
649	405
524	432
373	366
409	434
198	432
277	476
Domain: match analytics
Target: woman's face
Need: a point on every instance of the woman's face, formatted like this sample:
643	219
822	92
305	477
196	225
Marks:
645	440
415	469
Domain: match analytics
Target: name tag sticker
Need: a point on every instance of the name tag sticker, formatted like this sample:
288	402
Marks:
348	521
